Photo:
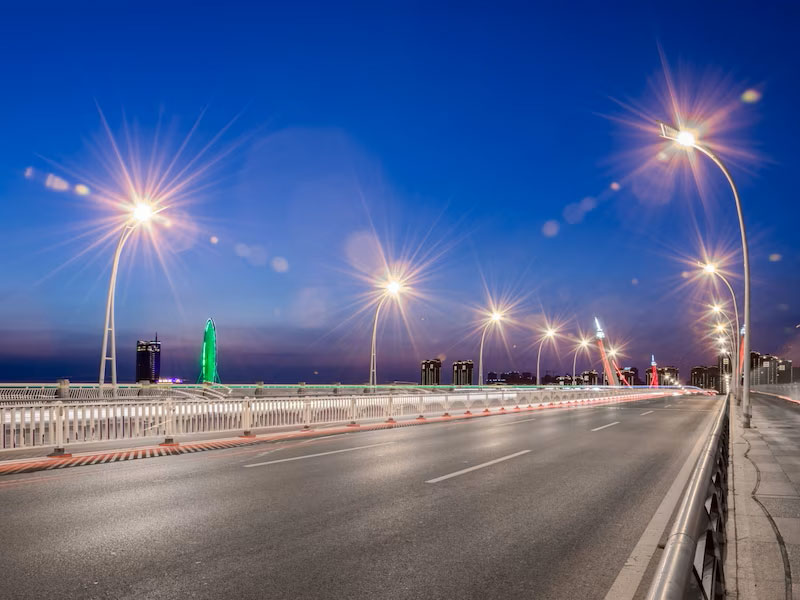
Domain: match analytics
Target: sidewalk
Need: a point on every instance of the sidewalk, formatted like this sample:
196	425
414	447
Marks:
763	529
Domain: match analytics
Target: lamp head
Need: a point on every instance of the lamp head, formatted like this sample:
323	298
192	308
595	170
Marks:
142	212
496	317
550	333
393	287
685	138
584	343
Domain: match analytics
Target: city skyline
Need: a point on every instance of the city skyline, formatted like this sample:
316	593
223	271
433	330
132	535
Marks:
477	179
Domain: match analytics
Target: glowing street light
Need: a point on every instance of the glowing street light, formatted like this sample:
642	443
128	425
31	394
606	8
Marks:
686	139
391	289
583	344
549	334
140	214
710	268
494	318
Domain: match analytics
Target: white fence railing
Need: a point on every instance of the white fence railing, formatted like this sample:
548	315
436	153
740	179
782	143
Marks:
60	422
65	391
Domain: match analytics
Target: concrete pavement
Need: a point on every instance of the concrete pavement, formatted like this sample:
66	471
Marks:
544	505
763	559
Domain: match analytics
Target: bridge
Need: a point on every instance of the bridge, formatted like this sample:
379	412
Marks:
386	492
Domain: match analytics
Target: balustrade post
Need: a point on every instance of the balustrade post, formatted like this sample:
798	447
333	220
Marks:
246	419
58	430
169	423
390	409
306	414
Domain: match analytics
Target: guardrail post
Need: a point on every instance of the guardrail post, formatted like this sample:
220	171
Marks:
353	412
390	410
58	430
63	388
421	407
246	419
306	414
169	423
446	406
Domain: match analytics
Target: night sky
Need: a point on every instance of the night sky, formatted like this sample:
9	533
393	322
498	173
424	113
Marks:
503	150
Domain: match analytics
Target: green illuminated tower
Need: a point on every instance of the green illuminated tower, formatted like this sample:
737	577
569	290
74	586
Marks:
208	358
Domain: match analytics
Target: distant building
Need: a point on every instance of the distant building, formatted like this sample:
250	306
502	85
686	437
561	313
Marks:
784	371
462	372
770	370
492	377
631	375
590	377
714	380
430	372
666	376
148	360
698	377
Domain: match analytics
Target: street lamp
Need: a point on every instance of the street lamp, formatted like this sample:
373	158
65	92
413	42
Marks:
687	140
582	345
494	318
549	334
391	289
140	214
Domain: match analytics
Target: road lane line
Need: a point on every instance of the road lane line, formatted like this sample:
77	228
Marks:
632	573
667	405
282	460
515	422
476	467
646	413
604	426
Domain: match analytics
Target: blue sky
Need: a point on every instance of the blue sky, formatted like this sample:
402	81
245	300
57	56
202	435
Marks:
468	132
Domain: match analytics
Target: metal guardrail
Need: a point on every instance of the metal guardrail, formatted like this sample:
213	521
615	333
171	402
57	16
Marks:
692	563
59	422
64	390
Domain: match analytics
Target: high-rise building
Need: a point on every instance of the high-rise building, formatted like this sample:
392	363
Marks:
666	376
148	360
430	372
631	375
784	371
590	377
462	372
714	380
698	377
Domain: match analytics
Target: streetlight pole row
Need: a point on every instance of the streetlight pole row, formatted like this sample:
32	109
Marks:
687	139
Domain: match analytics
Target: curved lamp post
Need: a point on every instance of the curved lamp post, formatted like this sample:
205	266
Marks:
391	289
582	345
687	140
548	335
141	213
493	319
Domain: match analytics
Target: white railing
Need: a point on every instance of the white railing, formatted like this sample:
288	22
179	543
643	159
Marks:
59	422
66	391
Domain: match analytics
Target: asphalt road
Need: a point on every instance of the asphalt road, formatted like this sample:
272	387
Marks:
372	515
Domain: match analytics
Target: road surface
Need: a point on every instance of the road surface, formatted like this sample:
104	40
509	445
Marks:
547	504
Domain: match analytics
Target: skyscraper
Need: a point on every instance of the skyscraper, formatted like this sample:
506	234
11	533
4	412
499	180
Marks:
462	372
148	360
430	372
